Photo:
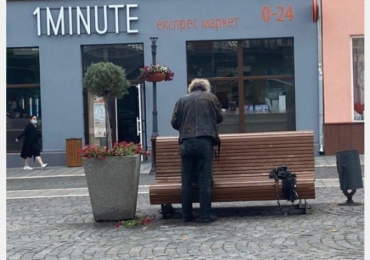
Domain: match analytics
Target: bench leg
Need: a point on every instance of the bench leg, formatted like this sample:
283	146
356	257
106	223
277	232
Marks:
167	210
303	206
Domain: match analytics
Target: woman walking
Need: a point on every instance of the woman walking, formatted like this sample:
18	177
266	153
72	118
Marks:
31	145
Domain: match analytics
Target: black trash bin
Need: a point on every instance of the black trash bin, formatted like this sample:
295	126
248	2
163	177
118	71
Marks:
350	173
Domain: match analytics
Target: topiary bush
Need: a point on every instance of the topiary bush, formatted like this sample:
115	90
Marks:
106	78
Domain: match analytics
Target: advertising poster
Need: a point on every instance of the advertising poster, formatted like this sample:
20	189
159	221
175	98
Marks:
99	118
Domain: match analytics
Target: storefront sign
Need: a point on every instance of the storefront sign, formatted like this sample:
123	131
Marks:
72	19
181	25
279	14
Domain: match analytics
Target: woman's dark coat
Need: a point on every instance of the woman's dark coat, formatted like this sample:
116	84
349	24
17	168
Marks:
31	146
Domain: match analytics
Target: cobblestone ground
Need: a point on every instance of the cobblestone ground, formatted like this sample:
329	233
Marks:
63	228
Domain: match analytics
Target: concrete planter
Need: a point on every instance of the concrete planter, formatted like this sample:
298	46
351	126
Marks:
113	184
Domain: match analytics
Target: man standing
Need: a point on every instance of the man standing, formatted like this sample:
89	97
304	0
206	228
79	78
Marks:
195	116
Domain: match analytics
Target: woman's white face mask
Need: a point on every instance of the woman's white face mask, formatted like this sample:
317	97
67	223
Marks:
34	121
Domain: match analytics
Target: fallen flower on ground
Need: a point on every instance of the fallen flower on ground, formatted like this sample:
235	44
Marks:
135	222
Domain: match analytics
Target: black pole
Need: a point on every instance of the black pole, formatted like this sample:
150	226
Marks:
155	112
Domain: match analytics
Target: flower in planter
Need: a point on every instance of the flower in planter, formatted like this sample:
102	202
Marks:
119	149
94	151
152	69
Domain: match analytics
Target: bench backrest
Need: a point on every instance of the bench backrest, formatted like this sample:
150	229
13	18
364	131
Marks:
244	154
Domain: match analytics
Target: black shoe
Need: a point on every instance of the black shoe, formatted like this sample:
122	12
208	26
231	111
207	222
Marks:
188	219
212	218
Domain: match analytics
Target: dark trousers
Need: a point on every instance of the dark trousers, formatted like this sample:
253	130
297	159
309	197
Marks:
196	159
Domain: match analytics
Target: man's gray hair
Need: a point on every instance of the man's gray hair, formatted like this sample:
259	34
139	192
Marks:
201	84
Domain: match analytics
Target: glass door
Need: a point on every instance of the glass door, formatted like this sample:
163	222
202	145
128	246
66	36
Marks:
128	112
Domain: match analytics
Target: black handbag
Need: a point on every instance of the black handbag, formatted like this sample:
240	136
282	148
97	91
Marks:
289	181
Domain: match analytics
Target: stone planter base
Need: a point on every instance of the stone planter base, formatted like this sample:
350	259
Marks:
113	184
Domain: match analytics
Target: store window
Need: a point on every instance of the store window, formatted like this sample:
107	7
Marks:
358	63
23	98
125	110
252	78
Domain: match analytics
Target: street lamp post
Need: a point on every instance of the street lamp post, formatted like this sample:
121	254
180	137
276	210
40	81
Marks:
155	112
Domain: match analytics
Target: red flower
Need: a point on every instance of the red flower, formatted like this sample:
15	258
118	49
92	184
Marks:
118	224
147	221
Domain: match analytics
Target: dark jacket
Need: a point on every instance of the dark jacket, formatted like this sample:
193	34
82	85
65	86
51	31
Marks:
197	114
31	146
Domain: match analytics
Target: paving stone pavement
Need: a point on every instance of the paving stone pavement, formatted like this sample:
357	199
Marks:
62	227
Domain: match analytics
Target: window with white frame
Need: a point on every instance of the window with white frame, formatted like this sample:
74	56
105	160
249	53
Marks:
358	64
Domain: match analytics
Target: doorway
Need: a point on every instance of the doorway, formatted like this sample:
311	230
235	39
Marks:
127	114
125	110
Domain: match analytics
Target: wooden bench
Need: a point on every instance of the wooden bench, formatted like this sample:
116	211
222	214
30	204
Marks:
242	171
